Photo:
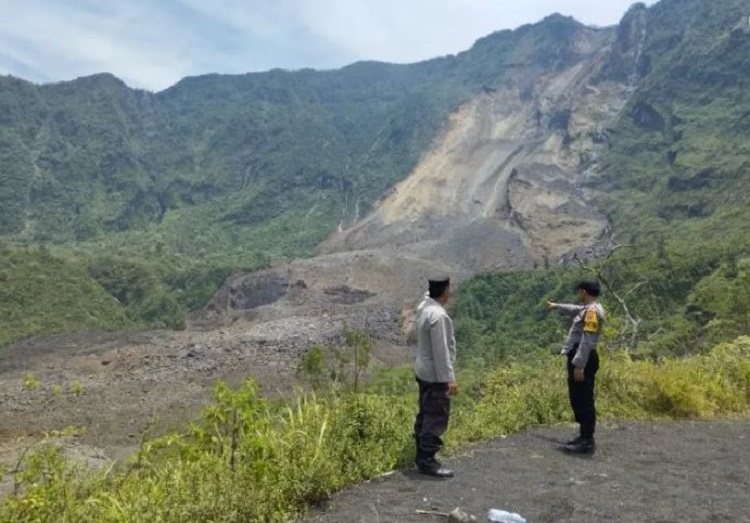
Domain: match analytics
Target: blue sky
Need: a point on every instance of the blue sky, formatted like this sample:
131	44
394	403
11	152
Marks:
151	44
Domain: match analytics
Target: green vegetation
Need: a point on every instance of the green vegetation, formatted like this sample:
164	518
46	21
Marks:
164	193
76	388
686	305
89	157
30	382
105	287
248	460
158	196
40	293
505	315
674	181
324	367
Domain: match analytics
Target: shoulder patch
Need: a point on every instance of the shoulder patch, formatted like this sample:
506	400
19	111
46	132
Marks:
591	321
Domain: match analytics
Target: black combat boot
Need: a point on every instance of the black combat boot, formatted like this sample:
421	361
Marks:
429	466
583	446
574	441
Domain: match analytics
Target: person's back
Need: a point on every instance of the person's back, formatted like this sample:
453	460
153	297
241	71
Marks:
436	354
436	345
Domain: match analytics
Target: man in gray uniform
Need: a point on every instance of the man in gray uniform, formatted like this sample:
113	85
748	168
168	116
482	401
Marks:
583	362
436	354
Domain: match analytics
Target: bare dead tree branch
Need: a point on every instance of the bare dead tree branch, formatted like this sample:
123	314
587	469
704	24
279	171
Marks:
633	321
635	288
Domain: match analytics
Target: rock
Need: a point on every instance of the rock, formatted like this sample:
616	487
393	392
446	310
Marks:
459	516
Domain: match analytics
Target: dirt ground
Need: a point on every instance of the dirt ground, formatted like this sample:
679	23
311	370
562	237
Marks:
114	387
657	472
256	326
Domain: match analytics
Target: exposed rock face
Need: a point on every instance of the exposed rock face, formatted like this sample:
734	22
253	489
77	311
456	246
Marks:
501	187
627	62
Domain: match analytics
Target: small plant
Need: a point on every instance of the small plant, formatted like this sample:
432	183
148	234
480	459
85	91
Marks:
69	431
337	365
31	382
312	366
360	345
246	459
77	388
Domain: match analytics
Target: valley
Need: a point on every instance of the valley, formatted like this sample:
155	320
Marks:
218	230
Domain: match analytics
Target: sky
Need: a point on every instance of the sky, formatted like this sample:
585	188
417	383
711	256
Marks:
152	44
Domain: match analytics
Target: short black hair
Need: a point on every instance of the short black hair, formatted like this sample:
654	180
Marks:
438	287
590	286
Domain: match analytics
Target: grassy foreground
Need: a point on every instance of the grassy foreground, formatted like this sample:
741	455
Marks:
246	460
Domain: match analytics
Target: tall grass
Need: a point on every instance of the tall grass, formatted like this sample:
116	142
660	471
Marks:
246	460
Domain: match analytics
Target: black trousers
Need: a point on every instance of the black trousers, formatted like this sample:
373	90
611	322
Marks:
432	419
582	394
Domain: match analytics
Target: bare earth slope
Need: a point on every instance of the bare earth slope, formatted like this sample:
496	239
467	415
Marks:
657	472
500	189
257	325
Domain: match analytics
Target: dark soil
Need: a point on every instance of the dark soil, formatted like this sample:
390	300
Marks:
642	472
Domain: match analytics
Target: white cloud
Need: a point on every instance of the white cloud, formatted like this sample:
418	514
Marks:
419	29
65	41
20	68
154	43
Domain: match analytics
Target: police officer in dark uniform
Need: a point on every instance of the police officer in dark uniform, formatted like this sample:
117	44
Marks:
583	361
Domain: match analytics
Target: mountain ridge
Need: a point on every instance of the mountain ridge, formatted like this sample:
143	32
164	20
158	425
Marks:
249	170
160	149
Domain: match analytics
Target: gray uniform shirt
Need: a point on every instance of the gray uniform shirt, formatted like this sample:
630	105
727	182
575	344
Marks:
436	343
585	331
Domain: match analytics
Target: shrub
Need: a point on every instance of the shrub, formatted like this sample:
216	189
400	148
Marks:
248	460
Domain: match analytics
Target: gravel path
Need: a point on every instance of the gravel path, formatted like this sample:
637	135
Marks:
642	472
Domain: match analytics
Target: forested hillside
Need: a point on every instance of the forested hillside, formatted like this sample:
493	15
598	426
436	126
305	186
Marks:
674	181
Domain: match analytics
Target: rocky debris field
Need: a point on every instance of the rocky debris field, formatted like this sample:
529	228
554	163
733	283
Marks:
115	386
